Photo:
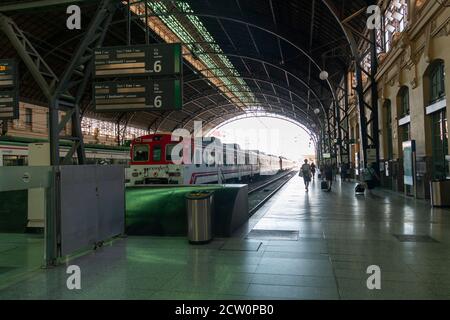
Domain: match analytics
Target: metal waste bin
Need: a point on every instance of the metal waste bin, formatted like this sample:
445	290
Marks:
199	213
440	193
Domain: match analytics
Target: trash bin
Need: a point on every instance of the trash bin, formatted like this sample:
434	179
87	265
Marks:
440	193
199	213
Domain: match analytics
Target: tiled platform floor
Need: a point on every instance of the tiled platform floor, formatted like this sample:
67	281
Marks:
340	235
20	254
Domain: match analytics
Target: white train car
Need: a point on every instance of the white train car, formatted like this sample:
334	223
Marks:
15	153
152	163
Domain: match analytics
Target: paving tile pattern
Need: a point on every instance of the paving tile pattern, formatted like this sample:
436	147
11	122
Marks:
339	236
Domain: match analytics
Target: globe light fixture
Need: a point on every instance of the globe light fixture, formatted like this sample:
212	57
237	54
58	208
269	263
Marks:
316	110
323	75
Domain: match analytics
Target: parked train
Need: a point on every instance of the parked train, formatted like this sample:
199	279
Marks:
151	160
14	152
208	162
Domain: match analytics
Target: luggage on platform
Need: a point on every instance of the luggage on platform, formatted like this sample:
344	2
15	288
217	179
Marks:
360	189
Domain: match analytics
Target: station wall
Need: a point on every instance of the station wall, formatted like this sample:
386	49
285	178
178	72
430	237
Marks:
405	72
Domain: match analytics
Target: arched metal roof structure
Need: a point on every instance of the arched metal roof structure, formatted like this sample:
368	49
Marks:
265	115
270	51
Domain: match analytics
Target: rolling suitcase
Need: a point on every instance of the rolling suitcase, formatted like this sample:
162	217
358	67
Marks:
324	185
360	189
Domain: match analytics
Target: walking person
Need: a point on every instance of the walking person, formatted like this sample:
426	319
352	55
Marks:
313	170
305	171
328	171
344	171
370	178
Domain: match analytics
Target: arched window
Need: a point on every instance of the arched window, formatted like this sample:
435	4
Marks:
434	85
404	101
404	128
437	82
395	19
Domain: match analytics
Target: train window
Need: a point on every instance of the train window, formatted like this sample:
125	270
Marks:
198	157
9	160
169	149
157	153
141	152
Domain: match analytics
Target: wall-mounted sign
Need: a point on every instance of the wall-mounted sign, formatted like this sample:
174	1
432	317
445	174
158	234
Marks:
371	155
409	150
145	95
9	105
142	60
8	73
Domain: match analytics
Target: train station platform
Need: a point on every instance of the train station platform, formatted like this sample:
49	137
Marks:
299	245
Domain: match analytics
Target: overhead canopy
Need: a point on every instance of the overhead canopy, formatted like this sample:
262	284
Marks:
243	56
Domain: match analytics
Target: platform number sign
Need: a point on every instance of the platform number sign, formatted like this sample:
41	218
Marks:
146	95
9	100
146	60
153	75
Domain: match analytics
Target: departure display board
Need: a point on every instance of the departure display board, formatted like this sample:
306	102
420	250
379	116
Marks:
9	105
142	60
8	73
143	95
9	100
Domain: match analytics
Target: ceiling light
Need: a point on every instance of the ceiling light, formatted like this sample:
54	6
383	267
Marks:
323	75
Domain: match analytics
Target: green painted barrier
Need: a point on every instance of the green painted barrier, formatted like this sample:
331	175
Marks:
161	211
158	211
13	211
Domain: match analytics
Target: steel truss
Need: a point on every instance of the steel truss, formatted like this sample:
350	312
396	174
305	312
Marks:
368	111
174	11
342	121
64	93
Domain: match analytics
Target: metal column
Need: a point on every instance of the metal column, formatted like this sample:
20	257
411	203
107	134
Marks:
70	91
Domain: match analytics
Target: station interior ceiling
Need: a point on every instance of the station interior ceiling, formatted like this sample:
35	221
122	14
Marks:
241	57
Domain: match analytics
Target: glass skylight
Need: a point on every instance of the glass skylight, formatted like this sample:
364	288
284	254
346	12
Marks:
201	43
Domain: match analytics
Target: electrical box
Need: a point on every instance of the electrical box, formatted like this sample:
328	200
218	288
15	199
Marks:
38	155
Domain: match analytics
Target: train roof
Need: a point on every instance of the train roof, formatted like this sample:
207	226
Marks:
8	140
233	145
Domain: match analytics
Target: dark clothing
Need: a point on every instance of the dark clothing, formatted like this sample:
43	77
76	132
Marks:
328	173
370	177
344	171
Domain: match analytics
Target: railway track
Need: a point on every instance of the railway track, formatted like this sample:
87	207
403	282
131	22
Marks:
260	194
